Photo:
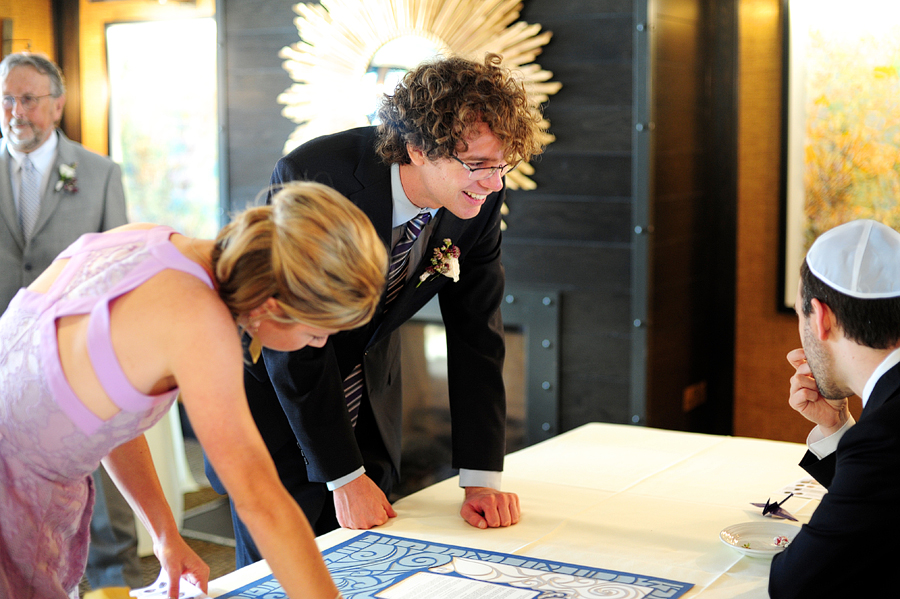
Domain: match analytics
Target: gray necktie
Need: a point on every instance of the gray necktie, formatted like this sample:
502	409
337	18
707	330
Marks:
29	197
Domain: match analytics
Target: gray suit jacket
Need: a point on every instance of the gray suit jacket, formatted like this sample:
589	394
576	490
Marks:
98	205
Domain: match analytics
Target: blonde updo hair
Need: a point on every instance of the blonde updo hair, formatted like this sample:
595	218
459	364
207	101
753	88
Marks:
311	250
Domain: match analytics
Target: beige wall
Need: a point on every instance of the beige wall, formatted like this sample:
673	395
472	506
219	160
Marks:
32	24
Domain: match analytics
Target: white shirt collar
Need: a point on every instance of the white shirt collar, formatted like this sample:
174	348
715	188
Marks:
892	360
42	158
404	209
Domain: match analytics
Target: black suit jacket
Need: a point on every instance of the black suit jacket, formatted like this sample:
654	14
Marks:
297	397
841	552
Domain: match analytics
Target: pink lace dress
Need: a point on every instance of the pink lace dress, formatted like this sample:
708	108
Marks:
49	442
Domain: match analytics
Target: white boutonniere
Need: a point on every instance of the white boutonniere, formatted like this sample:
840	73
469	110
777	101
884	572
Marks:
445	261
67	179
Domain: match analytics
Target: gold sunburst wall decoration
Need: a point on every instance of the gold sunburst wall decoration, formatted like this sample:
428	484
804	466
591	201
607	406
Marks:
340	38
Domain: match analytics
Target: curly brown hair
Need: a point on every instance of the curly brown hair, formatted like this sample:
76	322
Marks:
437	104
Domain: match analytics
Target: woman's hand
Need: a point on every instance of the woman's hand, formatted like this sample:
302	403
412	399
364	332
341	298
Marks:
179	560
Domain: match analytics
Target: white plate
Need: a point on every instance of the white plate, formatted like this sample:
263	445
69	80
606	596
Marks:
757	538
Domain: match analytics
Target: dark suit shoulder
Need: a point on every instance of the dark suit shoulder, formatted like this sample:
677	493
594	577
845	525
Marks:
345	161
358	139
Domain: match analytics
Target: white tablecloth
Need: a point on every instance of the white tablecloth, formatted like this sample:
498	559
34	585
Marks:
632	499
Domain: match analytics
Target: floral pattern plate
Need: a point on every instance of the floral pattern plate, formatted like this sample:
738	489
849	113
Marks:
758	539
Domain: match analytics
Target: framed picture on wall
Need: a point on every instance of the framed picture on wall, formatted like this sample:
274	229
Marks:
841	127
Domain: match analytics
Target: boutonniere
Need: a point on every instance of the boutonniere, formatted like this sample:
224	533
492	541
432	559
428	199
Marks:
445	261
67	179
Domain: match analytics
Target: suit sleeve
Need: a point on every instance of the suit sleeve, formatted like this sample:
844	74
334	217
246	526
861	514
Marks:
114	210
310	393
471	312
833	554
283	172
820	469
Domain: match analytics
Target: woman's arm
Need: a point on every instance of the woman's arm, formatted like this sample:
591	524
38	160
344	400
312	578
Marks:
208	365
131	468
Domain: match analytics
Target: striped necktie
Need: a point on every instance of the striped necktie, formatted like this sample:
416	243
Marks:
29	197
400	255
353	384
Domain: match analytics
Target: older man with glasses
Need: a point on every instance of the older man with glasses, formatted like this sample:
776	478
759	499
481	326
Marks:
53	190
430	178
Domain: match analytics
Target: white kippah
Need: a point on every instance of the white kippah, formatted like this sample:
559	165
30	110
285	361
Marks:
860	258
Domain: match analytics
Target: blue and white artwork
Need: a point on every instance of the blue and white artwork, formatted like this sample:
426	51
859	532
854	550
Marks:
378	566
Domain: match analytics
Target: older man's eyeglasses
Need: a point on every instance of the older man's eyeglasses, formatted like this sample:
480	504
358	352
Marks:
479	173
26	102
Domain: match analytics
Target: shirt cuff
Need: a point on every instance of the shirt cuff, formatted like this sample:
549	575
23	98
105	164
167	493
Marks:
479	478
340	482
822	446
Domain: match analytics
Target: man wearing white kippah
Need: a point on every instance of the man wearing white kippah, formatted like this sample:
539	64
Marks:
848	304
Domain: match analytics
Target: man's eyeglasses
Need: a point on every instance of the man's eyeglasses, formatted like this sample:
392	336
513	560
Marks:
479	173
26	102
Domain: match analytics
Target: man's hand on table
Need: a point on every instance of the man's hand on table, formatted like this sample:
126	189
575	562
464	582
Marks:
361	505
484	507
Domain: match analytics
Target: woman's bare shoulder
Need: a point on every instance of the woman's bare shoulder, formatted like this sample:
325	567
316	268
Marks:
132	227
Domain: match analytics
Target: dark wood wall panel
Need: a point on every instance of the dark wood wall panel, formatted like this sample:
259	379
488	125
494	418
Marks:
591	84
692	205
678	173
254	32
675	264
578	8
586	38
584	173
578	129
574	232
541	216
688	10
681	215
567	265
678	39
720	171
603	308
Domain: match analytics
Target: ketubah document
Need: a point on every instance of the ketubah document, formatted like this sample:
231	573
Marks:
377	566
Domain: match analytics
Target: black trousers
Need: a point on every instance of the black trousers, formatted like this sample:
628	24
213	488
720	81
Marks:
314	498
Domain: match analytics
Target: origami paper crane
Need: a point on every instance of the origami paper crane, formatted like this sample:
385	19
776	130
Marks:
774	510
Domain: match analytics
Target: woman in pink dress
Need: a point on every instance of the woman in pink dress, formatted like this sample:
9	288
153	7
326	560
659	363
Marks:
95	351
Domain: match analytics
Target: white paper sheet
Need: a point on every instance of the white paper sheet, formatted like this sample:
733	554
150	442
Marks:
424	585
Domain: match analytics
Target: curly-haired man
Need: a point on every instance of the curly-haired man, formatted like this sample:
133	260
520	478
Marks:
450	132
